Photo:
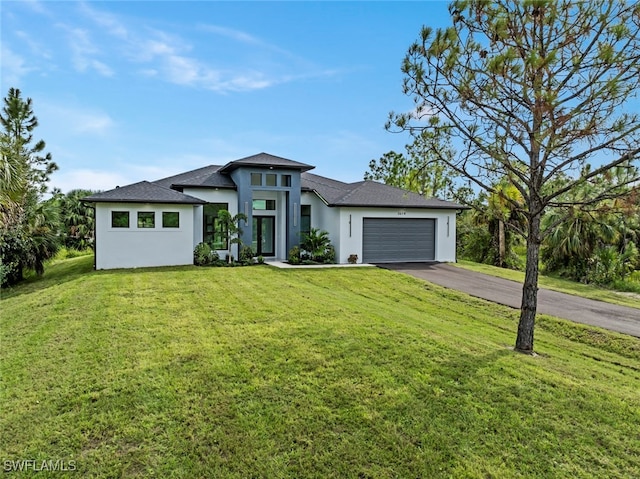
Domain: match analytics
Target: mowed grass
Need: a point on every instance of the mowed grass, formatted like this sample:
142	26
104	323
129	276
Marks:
344	373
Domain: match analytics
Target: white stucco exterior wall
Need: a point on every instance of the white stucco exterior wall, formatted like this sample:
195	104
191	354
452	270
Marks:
135	247
324	218
212	196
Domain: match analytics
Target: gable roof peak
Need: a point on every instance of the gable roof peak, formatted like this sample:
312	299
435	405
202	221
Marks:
262	160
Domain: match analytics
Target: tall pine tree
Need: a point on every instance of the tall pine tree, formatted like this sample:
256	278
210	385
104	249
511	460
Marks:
27	225
531	90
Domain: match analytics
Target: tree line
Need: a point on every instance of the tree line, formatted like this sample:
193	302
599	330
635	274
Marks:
33	228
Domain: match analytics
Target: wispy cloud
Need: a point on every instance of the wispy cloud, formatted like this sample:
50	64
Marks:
36	6
84	51
77	120
36	48
13	67
105	20
246	38
169	57
104	43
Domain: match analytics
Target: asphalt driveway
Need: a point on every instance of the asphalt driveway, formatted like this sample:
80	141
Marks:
596	313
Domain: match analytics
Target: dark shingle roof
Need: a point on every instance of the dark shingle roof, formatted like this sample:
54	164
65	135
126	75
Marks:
265	159
208	177
370	194
332	192
143	192
329	190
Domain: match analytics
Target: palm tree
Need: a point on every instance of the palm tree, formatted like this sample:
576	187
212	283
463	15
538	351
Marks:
42	230
78	219
576	230
12	182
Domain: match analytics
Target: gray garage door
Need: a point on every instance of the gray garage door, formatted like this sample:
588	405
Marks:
393	240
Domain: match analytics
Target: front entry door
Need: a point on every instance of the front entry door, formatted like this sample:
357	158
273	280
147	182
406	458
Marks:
264	235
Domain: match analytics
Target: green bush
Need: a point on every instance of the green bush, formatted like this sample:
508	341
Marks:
294	255
316	247
246	255
609	265
203	255
328	256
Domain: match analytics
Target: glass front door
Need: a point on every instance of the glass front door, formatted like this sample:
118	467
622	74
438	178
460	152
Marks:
264	235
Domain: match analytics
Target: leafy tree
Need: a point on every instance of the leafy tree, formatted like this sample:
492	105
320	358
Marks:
586	234
490	230
27	226
232	228
420	170
77	219
530	90
503	208
391	168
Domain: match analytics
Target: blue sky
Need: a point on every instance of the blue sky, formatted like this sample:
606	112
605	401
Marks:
126	91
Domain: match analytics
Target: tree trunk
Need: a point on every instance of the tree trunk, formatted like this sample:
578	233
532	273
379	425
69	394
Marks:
529	305
502	243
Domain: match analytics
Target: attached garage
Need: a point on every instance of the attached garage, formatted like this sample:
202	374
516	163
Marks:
395	240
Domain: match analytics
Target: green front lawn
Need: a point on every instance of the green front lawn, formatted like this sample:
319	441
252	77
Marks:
343	372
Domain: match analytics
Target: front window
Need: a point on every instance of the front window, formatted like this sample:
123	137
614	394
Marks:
269	205
215	233
170	219
305	220
146	219
271	179
256	179
119	219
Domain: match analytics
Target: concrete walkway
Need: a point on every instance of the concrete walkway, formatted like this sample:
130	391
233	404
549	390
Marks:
622	319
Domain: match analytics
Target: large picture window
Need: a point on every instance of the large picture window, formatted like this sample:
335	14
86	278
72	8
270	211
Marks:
215	233
146	219
119	219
